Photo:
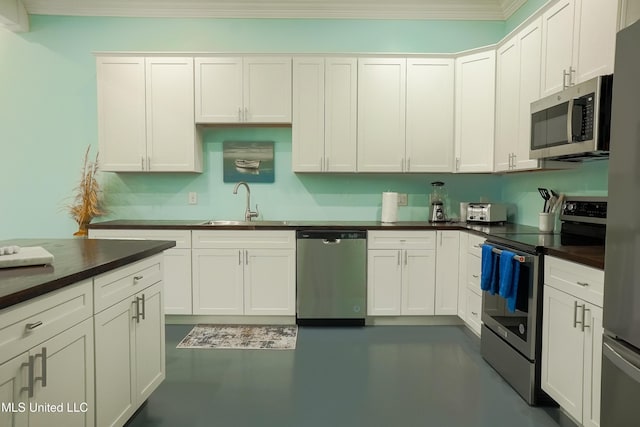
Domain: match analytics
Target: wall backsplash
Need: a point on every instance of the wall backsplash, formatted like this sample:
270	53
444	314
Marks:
588	179
291	196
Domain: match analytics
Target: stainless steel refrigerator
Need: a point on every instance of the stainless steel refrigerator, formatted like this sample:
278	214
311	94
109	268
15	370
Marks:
620	402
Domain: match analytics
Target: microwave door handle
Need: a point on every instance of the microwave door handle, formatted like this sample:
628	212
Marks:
570	121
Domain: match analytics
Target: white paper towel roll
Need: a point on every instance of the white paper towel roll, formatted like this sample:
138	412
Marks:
389	207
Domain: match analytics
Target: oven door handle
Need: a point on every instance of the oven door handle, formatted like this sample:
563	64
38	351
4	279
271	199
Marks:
621	363
570	121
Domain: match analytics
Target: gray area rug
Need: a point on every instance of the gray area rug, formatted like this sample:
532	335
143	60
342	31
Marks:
241	337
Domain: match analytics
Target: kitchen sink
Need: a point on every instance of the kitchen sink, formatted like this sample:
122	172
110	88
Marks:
223	222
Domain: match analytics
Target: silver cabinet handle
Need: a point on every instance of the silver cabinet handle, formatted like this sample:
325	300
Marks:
585	284
475	276
239	114
239	257
29	387
138	278
409	164
571	71
141	162
327	164
399	258
474	313
564	79
406	260
43	377
584	310
32	326
477	246
577	322
246	257
148	163
136	316
457	163
321	163
144	307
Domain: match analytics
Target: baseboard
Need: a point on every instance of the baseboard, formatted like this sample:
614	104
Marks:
229	320
414	321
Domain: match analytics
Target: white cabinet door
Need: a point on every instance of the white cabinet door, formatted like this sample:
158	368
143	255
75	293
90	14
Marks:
530	40
121	113
115	364
595	38
562	351
462	275
172	145
593	366
13	377
177	281
340	114
507	103
267	89
447	254
307	128
218	89
557	47
474	308
418	282
629	12
269	282
475	111
218	281
384	282
69	361
149	342
429	128
381	114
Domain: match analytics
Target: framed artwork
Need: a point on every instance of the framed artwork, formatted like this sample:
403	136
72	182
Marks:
250	161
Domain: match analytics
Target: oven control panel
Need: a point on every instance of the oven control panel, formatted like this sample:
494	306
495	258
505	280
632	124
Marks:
585	209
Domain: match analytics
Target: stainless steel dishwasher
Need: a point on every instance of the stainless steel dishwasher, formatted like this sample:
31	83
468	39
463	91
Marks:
331	277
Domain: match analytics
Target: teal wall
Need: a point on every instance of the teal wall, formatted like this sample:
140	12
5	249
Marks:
48	117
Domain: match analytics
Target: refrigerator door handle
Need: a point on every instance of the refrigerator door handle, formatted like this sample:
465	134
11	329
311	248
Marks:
621	363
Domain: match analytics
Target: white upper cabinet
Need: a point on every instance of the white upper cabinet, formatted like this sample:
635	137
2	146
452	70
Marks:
243	90
145	115
629	12
517	85
122	129
324	114
595	38
429	127
475	117
381	114
578	42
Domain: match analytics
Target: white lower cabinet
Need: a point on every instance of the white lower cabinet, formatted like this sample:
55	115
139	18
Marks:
401	281
447	270
239	272
129	343
572	342
473	267
177	263
58	370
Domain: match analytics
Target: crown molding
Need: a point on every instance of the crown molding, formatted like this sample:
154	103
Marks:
305	9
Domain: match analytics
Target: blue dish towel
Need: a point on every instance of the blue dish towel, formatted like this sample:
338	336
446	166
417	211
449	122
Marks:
489	269
509	275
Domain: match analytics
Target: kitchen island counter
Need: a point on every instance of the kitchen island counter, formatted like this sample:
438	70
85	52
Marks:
74	260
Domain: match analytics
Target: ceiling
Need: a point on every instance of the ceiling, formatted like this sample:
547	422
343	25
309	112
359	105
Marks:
351	9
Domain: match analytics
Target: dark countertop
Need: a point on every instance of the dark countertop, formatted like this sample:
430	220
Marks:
550	244
74	260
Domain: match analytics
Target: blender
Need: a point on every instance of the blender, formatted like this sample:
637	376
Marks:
437	202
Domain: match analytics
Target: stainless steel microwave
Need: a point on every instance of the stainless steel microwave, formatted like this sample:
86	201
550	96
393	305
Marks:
573	124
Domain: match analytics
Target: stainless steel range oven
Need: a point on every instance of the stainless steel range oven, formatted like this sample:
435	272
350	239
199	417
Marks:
511	341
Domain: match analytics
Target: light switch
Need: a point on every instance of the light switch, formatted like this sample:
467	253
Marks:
193	198
402	199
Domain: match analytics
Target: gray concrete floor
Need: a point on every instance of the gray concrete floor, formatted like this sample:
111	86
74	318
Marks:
373	376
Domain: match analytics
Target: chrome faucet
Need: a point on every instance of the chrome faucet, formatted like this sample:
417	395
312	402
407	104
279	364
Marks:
248	213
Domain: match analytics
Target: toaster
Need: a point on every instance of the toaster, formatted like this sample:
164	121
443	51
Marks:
486	212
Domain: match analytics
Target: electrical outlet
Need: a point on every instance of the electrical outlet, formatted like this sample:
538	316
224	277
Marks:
193	198
402	199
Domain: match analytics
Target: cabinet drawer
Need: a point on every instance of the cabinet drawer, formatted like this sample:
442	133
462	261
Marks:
47	315
475	244
114	286
181	237
249	239
583	282
474	270
377	239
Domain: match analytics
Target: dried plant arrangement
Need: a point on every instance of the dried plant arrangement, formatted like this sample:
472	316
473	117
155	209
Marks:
86	203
